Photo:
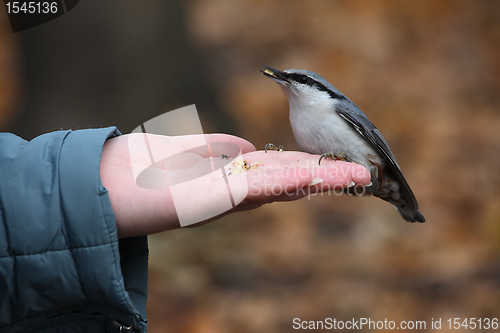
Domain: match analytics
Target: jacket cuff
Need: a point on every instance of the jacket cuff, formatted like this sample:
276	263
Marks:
91	230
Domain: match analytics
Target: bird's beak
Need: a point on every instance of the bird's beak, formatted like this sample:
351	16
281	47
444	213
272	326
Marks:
275	74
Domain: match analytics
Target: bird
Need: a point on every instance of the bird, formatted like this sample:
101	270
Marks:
325	122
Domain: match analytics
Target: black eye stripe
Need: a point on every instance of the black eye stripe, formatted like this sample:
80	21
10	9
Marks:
305	79
301	78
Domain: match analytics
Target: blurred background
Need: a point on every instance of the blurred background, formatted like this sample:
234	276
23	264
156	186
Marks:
426	73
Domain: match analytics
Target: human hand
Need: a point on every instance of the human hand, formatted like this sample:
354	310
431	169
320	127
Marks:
275	176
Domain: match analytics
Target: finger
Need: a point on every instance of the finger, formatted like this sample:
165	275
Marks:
212	145
244	145
292	159
286	156
267	182
187	142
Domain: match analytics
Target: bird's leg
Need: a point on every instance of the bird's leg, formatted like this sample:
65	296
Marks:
271	146
337	157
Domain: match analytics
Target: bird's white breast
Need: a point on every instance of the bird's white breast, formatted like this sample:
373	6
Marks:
319	129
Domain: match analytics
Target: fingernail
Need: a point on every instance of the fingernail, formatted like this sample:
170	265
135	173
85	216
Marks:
351	184
316	181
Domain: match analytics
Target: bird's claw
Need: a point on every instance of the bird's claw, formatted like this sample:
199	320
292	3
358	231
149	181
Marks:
271	146
336	157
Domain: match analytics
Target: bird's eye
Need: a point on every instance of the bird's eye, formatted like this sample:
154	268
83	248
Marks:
303	79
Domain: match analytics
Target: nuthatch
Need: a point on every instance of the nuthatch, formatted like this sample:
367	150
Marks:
325	122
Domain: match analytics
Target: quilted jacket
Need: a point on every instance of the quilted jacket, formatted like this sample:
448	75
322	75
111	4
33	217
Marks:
62	267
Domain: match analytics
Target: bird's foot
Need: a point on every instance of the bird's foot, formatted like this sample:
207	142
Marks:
271	146
337	157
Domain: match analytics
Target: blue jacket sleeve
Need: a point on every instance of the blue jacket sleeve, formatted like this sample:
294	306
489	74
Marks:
60	259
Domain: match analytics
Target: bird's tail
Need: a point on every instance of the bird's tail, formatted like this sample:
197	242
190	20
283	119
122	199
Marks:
392	187
409	214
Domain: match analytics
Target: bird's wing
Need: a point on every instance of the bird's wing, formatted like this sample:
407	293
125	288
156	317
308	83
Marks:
367	130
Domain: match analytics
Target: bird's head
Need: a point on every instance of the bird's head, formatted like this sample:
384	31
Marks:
304	88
